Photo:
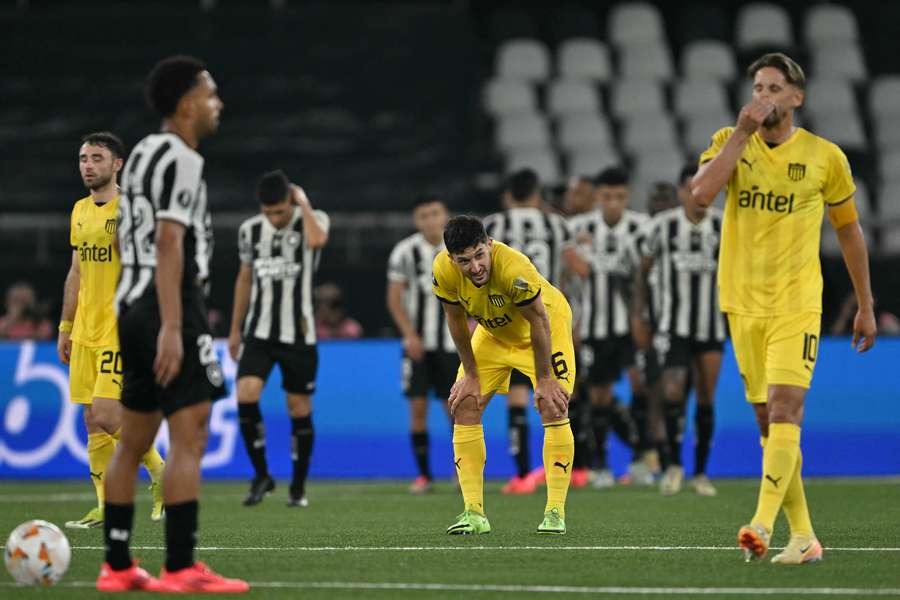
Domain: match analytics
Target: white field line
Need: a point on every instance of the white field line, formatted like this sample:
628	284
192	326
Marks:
552	589
468	548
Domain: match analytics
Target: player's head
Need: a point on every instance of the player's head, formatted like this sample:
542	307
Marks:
274	193
662	196
523	188
579	196
469	247
100	159
686	195
430	216
611	192
180	87
779	80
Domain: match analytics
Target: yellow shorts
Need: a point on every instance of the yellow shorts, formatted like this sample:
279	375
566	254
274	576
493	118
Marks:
94	372
496	359
775	350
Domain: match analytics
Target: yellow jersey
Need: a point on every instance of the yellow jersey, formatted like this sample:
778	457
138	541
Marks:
774	208
495	306
92	232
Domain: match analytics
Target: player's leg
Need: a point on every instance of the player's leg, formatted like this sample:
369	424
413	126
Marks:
639	470
674	384
254	365
302	438
620	418
601	398
517	399
706	367
416	379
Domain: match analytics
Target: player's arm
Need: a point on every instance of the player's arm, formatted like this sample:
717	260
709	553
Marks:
69	307
169	270
242	288
640	329
714	174
856	257
412	343
576	263
548	388
314	232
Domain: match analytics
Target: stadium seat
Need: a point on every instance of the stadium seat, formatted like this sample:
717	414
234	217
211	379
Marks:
708	59
832	94
647	132
635	24
697	97
863	201
829	23
889	202
839	61
583	58
889	166
763	24
632	97
884	96
589	162
698	131
887	135
522	131
649	61
543	160
526	59
843	128
584	130
890	240
830	245
572	96
509	96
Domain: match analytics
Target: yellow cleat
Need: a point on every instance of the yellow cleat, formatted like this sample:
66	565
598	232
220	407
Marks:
799	550
754	539
158	512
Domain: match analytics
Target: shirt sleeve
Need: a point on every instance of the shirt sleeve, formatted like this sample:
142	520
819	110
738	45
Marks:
396	271
715	145
73	239
322	219
649	245
180	189
521	280
444	283
245	245
839	184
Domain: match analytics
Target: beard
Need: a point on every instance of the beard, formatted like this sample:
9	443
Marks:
98	182
772	120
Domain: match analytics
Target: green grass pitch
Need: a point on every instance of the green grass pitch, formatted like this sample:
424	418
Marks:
374	540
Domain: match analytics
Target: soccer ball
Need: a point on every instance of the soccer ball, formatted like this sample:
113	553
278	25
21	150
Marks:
37	552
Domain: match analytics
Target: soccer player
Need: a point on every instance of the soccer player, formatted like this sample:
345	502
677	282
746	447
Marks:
170	366
279	251
682	244
524	323
606	261
88	339
542	237
430	361
779	180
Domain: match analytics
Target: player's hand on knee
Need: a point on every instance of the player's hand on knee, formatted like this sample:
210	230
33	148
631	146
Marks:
550	394
169	354
467	387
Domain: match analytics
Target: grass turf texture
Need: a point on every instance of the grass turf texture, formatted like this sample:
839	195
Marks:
861	513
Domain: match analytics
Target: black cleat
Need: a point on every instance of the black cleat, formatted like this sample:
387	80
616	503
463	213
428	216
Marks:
295	501
259	489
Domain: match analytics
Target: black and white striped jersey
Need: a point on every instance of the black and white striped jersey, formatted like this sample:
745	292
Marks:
281	298
687	257
538	235
613	257
162	180
410	263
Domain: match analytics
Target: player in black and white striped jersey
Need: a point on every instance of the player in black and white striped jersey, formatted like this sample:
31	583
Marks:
682	247
542	237
430	360
272	323
606	256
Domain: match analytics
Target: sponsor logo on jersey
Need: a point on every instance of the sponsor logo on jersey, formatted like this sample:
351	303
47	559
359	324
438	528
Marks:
796	171
769	201
495	322
95	253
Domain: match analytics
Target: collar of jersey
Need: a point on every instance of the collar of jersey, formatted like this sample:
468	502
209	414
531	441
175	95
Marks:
783	144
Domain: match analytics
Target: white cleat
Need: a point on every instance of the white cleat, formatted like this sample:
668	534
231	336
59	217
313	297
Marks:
603	480
670	484
703	486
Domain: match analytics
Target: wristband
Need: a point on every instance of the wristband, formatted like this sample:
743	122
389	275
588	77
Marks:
65	326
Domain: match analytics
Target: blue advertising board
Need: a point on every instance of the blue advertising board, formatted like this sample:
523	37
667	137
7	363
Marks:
851	427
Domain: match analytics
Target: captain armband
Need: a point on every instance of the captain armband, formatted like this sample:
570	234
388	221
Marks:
843	213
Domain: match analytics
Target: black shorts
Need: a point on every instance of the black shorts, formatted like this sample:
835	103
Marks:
298	363
647	363
606	359
436	371
675	351
517	377
200	378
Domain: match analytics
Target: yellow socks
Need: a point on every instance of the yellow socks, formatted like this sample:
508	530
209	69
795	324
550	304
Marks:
780	457
559	449
100	449
469	454
795	508
154	464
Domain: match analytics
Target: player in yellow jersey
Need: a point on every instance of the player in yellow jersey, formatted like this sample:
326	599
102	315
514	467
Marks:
88	339
524	323
780	179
